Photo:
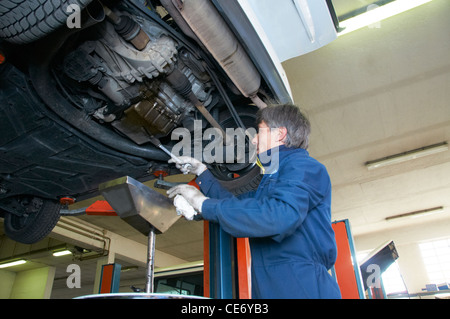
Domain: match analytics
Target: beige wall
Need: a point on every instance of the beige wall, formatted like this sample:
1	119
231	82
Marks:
28	284
7	282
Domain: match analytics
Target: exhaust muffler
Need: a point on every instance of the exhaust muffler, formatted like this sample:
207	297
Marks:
210	28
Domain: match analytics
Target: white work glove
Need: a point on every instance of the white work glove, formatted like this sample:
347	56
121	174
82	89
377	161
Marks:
184	208
193	196
188	165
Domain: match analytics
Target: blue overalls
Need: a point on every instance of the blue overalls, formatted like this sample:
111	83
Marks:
288	222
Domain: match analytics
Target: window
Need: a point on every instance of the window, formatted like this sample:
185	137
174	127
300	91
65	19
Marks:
436	257
182	284
393	280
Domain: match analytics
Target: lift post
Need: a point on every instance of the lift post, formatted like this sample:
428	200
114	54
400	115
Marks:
149	285
227	264
110	278
346	270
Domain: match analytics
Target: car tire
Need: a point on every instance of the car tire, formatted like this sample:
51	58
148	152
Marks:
248	179
25	21
244	184
36	226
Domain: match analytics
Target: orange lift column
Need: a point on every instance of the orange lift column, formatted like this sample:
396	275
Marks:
346	270
110	279
244	268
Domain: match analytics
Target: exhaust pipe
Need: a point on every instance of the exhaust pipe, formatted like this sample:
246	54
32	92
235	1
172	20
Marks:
210	28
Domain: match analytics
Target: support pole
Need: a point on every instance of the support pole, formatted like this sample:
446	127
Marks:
150	261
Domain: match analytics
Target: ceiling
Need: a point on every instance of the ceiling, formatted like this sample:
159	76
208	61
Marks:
369	94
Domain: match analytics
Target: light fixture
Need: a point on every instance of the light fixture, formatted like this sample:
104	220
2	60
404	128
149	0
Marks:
13	263
62	253
407	156
419	213
377	14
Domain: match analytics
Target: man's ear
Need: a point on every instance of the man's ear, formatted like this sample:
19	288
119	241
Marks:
282	132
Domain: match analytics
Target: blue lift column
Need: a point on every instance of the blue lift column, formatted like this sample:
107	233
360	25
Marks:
220	263
227	264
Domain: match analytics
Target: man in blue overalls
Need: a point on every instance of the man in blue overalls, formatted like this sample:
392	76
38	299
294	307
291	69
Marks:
287	219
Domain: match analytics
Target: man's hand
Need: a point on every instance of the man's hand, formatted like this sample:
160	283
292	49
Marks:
184	208
188	165
194	197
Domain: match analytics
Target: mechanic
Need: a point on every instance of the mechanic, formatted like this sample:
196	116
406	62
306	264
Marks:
287	219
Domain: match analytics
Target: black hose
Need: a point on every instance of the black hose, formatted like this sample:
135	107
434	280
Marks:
46	89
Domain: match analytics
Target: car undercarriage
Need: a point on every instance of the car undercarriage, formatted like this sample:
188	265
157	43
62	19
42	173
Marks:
79	106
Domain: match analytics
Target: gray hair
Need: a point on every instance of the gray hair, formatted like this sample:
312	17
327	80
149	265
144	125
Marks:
289	116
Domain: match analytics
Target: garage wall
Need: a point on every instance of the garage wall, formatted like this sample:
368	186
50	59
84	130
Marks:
7	279
28	284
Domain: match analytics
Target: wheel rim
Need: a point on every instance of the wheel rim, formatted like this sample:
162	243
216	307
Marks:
20	222
229	171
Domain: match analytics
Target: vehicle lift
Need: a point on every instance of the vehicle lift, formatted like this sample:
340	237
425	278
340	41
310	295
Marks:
227	260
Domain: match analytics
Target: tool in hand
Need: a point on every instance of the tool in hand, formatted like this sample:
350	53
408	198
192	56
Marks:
158	144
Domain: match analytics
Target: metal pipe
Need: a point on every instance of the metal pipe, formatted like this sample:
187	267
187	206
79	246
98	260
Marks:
181	85
73	212
207	24
176	16
128	29
149	286
86	231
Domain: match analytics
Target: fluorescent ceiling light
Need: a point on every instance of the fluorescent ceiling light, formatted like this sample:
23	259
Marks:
378	14
407	156
13	263
419	213
62	253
